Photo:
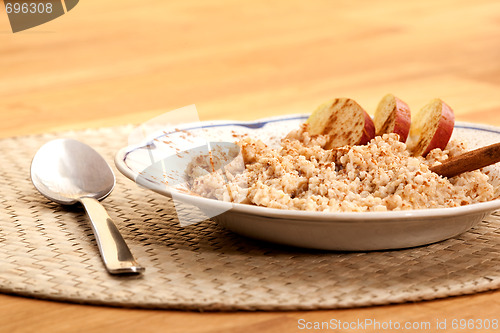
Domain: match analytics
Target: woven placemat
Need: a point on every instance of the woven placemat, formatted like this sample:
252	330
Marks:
48	251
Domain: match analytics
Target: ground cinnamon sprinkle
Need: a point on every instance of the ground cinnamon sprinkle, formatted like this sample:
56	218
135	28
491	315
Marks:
302	175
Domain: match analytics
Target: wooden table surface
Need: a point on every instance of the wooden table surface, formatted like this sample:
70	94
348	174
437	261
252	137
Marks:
116	62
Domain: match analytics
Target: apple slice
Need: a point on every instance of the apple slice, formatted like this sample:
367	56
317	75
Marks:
392	116
431	128
344	122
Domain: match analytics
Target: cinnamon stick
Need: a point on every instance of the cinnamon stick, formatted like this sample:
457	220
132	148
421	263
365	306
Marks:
469	161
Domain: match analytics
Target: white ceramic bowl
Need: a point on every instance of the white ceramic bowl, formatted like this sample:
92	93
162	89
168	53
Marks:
327	231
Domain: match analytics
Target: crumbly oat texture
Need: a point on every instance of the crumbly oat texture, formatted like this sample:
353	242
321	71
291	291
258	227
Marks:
302	175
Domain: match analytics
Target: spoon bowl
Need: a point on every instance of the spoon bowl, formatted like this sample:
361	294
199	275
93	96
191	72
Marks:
65	170
68	171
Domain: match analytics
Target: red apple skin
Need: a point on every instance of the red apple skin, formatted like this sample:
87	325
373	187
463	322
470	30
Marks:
444	130
395	119
368	130
403	120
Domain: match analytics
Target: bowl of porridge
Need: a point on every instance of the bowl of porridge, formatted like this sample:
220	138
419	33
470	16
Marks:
269	180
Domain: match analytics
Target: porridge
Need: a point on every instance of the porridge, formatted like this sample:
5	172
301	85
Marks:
301	174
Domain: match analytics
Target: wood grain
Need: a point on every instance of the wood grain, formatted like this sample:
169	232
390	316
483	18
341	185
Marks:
109	63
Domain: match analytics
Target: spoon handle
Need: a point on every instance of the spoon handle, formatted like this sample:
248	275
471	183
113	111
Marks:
114	251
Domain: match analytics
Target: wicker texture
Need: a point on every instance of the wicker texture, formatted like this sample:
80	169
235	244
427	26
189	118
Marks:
48	251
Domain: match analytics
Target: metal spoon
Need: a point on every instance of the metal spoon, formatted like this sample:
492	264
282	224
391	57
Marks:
68	171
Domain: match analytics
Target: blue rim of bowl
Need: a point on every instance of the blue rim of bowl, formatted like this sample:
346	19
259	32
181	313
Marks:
121	163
